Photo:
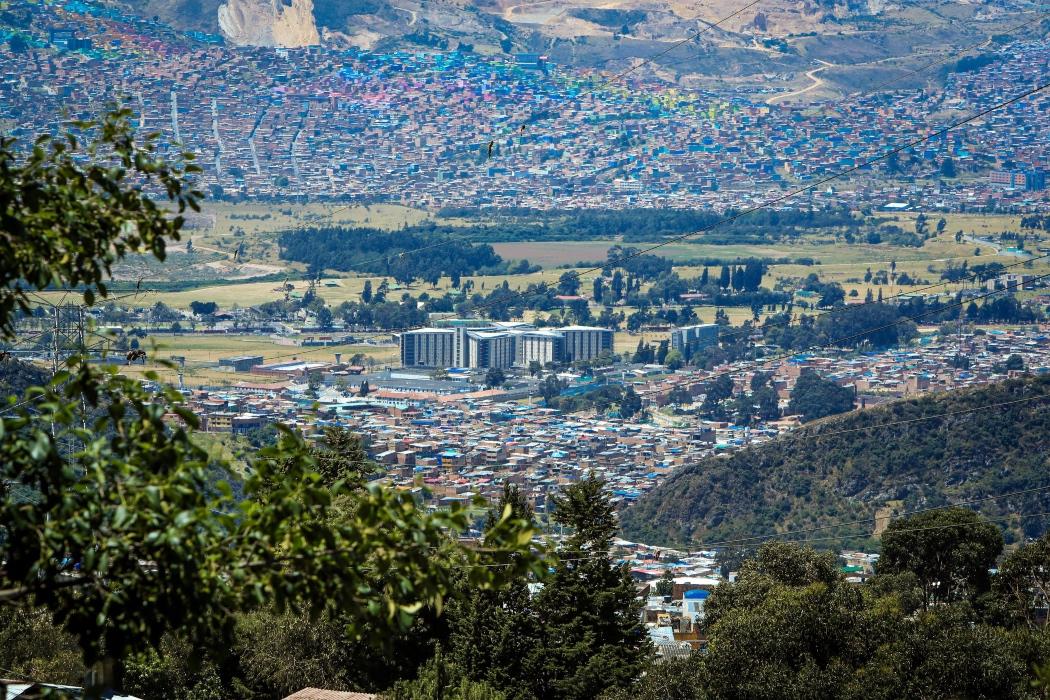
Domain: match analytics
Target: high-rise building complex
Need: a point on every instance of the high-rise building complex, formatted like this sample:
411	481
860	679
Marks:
689	339
501	345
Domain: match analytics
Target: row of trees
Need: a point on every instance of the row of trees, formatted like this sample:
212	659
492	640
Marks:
424	252
864	325
635	225
934	621
812	397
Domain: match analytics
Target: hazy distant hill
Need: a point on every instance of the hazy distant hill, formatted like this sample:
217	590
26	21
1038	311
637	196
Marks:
193	15
803	481
779	40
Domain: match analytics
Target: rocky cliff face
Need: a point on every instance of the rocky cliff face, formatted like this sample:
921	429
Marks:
287	23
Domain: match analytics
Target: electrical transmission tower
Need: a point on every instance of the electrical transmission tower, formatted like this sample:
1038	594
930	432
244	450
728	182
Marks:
56	333
67	335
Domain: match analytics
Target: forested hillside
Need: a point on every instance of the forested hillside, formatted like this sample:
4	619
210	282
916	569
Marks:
17	376
806	480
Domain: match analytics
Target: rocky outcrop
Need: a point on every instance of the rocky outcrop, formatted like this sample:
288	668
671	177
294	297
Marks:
287	23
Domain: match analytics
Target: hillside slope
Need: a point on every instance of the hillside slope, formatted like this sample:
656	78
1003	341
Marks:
804	480
17	376
780	40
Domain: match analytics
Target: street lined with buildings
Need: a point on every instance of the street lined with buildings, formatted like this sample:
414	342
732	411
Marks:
458	129
447	437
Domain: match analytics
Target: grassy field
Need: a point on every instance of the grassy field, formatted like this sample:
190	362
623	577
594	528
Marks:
628	342
221	228
552	254
836	262
334	290
202	354
840	263
222	218
570	252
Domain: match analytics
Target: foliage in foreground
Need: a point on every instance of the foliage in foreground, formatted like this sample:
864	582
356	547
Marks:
113	523
792	626
575	635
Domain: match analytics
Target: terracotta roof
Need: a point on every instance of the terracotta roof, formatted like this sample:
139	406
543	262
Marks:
320	694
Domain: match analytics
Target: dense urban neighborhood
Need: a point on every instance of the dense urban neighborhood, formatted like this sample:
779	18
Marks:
458	437
457	129
344	359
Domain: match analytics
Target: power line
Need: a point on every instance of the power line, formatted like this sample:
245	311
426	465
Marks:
834	176
852	430
578	274
794	193
781	198
761	361
600	556
43	301
908	421
923	68
854	96
863	521
789	195
784	355
836	341
936	62
693	37
790	533
1018	516
545	114
910	292
956	53
609	81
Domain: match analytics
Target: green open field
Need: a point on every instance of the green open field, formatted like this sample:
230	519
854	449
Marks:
836	261
202	353
334	290
223	218
223	227
554	253
825	249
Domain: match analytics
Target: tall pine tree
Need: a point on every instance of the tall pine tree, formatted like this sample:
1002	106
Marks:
492	632
591	638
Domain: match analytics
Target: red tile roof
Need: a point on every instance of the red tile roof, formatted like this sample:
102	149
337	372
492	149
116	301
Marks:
320	694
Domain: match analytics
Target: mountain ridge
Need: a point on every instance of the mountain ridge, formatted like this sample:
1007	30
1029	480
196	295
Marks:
720	40
777	486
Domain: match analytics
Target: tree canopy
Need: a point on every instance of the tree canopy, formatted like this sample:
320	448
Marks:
114	521
950	552
815	397
792	626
